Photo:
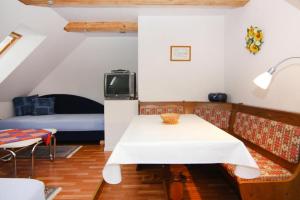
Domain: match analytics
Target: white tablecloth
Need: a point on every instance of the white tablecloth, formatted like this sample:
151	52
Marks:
192	141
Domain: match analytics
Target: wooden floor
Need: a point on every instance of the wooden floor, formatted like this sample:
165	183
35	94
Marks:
204	182
80	178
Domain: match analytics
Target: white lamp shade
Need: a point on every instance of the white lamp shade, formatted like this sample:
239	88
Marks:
263	80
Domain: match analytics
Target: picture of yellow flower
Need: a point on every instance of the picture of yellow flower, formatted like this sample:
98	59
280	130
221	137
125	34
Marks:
253	48
254	39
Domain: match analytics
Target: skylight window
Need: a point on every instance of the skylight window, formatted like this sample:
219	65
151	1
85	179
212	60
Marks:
9	41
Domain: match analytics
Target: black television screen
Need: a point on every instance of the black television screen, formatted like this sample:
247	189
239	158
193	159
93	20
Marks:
117	84
120	85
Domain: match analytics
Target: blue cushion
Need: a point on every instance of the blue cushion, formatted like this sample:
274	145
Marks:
43	106
23	105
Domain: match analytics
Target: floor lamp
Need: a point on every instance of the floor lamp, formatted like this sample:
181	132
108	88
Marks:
263	80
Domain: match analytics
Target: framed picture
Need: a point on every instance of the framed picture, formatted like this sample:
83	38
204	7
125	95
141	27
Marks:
180	53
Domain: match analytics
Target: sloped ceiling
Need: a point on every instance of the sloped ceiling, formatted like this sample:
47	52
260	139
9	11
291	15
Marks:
57	45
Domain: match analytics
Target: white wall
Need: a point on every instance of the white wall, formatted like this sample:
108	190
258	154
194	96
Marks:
116	122
6	110
81	73
280	22
163	80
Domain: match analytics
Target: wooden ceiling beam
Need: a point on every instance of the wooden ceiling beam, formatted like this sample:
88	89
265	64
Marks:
121	27
219	3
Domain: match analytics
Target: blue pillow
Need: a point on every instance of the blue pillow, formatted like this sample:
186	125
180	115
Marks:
23	105
43	106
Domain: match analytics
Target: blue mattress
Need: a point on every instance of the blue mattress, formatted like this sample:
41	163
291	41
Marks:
61	122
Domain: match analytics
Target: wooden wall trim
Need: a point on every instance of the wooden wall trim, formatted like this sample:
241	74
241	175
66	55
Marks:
276	115
219	3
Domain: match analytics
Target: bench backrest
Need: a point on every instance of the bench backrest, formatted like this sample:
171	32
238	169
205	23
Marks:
276	137
273	133
156	108
216	113
219	115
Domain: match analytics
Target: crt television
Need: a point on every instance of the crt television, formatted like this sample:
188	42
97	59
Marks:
120	84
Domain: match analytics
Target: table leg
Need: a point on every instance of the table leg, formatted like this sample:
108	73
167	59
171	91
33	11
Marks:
15	164
175	183
32	158
157	173
52	147
13	154
171	177
139	167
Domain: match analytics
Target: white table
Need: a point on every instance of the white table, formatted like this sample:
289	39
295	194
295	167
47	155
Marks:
192	141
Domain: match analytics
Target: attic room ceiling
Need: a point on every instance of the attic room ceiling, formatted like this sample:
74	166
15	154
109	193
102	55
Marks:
84	14
94	15
129	10
226	3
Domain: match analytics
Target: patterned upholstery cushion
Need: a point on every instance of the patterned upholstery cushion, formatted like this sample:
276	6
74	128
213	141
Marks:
216	116
278	138
160	109
43	106
23	105
269	171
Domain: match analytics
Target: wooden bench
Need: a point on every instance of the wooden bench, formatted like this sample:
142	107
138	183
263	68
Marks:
215	113
272	137
157	108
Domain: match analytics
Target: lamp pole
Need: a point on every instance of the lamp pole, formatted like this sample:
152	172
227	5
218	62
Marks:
273	69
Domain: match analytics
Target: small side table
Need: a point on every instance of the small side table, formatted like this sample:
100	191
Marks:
11	147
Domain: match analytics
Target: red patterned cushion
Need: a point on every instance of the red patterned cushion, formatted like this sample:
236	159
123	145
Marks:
269	171
278	138
160	109
216	116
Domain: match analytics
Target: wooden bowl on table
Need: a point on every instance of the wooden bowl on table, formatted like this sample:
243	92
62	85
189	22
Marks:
170	118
